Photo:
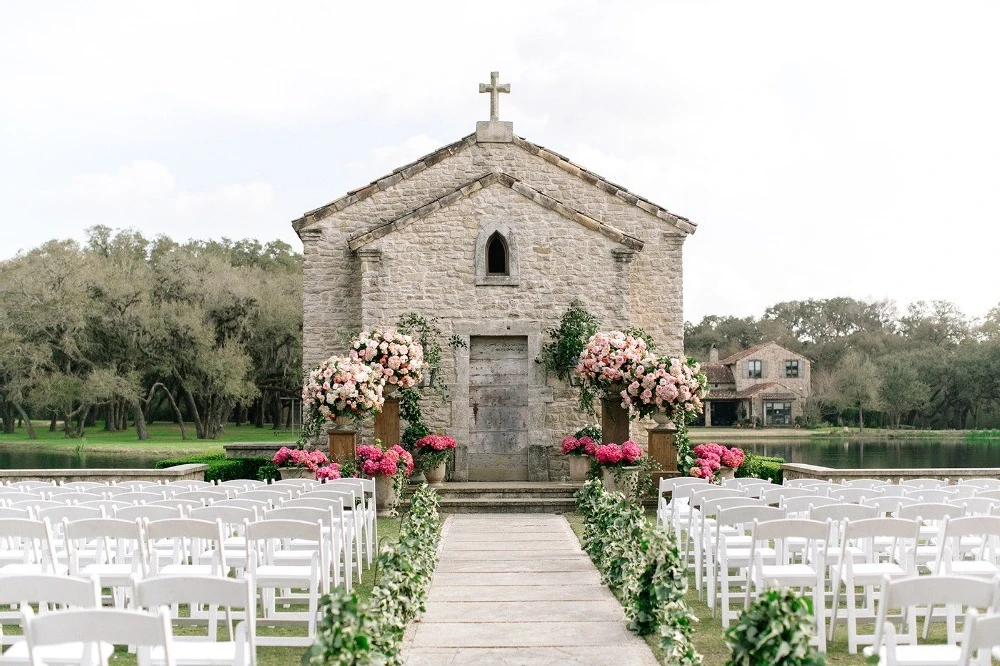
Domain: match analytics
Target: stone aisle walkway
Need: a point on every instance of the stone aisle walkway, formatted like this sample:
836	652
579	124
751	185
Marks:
516	589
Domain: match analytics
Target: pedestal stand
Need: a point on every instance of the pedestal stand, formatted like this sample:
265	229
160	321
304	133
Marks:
662	450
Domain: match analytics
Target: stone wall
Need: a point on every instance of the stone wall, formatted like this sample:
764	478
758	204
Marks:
428	266
954	474
188	472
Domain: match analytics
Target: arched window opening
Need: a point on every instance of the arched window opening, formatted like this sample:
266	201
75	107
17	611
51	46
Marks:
496	255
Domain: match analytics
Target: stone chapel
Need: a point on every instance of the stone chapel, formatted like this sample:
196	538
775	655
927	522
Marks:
494	236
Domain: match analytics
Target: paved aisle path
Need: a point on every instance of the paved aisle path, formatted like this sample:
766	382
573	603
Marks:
516	589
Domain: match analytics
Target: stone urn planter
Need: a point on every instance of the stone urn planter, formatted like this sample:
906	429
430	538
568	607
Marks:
385	495
578	468
435	477
726	473
296	473
627	480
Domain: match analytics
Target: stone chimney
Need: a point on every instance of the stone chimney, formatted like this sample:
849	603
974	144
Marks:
713	354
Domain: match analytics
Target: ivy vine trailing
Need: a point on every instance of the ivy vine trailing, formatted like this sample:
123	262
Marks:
775	629
642	565
353	633
575	328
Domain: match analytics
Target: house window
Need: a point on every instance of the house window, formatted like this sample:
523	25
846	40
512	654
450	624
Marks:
496	255
791	369
778	413
755	369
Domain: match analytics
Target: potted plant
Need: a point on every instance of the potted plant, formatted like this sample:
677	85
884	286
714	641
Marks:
620	466
432	456
394	355
389	467
579	450
301	464
713	457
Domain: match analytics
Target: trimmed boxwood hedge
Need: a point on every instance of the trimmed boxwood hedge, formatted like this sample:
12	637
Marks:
221	468
761	467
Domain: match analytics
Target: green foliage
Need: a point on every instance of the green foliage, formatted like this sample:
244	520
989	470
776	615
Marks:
371	633
221	468
761	467
774	631
568	340
682	442
592	431
642	565
409	411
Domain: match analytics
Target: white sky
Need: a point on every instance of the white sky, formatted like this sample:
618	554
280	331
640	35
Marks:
824	149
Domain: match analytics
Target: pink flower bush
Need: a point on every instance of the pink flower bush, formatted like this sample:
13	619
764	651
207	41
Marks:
331	471
396	357
582	446
627	453
435	442
374	461
286	457
712	456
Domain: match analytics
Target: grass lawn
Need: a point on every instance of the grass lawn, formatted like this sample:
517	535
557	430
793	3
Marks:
165	439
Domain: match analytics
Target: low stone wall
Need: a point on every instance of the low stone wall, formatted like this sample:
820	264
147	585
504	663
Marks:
952	474
254	449
189	472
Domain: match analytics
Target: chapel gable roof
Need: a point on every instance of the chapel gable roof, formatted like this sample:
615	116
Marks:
415	167
717	373
507	180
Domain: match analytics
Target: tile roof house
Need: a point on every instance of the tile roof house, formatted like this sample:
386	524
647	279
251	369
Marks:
766	382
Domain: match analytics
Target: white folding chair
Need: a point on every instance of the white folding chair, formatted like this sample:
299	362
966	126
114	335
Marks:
982	632
854	495
26	547
47	590
214	593
981	484
932	495
900	645
233	520
798	507
865	483
110	549
873	569
265	540
368	505
690	545
731	554
925	483
331	517
97	625
191	542
808	572
704	547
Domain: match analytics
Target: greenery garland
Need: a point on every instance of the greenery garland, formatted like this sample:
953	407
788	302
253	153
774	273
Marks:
351	633
575	328
775	629
682	442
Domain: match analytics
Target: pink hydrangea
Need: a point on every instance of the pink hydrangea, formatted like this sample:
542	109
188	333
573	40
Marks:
631	451
570	444
695	471
282	456
589	445
331	471
733	458
608	454
435	442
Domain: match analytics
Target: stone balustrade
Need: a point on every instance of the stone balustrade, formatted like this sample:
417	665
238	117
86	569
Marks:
255	449
952	474
188	472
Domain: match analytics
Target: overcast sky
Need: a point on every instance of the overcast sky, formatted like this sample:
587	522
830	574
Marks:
823	149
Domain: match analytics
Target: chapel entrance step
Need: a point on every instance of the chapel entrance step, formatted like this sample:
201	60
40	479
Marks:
507	497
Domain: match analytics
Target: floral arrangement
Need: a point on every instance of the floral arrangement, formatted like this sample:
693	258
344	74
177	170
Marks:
668	385
286	457
328	472
578	446
342	386
374	461
432	450
625	454
623	363
711	457
394	355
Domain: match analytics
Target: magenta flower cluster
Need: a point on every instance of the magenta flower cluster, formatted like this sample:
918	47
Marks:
313	460
626	453
712	456
578	446
375	461
329	472
435	442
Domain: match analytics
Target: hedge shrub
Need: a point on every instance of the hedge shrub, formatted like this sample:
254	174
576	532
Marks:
761	467
221	468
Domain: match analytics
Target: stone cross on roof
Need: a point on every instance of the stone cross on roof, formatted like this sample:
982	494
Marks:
494	88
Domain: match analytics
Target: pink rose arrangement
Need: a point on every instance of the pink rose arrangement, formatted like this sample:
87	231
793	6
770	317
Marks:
396	357
626	453
432	450
711	457
342	386
376	461
607	358
578	446
286	457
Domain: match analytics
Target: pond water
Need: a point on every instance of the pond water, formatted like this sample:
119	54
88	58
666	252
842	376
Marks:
16	458
890	453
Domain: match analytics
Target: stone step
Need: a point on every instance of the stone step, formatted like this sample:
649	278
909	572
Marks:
507	505
508	490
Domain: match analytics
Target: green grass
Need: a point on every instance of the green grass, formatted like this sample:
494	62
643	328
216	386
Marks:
165	439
